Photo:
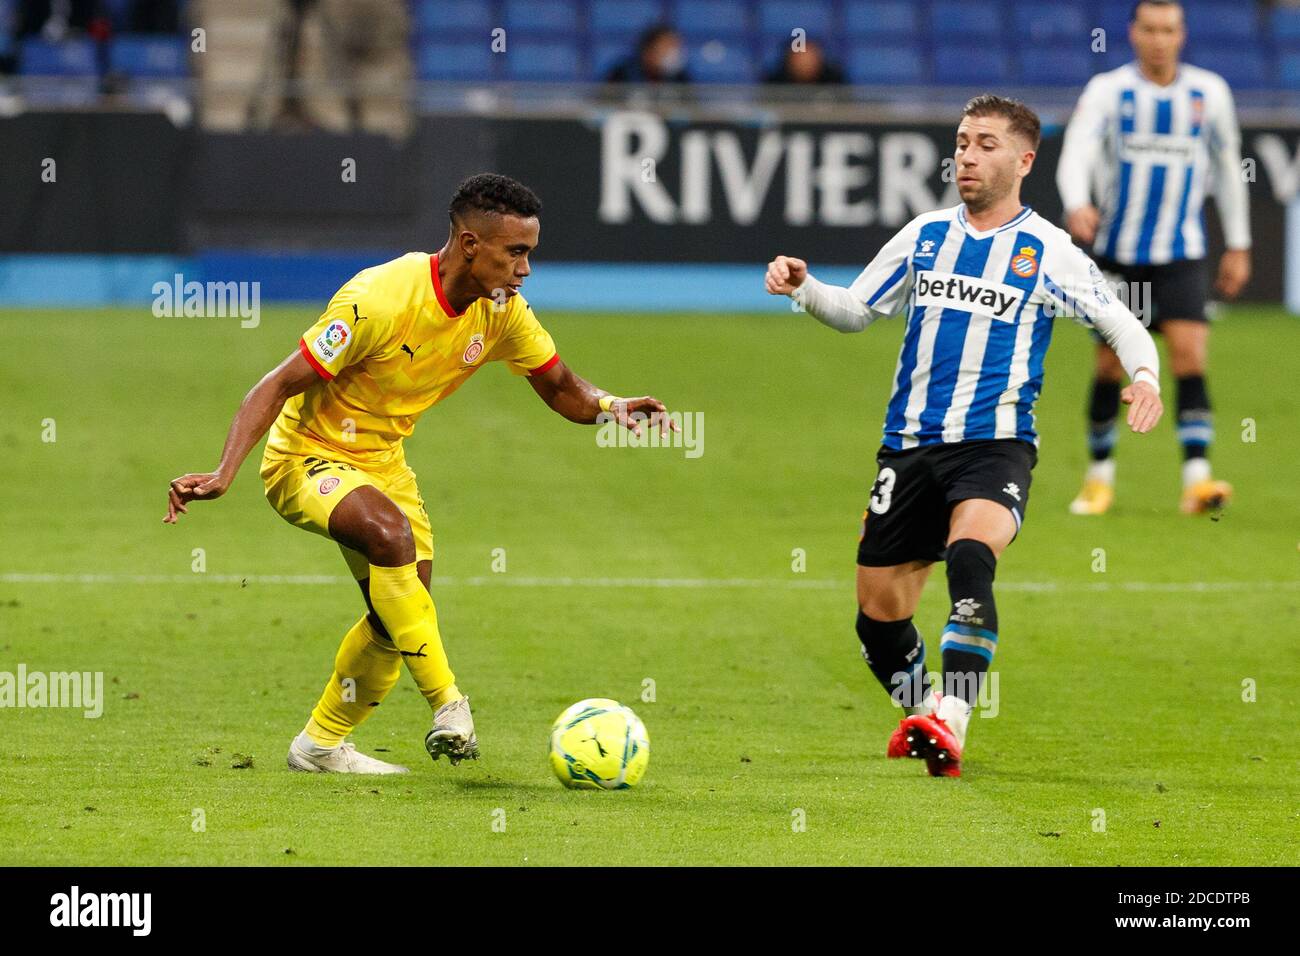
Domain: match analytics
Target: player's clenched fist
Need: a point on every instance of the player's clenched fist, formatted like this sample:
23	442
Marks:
785	274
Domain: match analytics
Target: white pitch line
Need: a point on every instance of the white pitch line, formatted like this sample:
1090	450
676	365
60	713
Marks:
776	584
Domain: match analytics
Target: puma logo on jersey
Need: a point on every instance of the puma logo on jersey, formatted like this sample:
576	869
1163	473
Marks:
356	316
407	349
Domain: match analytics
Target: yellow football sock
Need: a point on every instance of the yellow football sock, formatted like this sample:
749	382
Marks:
365	670
407	612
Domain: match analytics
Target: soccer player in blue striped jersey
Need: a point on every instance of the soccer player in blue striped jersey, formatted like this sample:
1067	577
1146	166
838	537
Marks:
980	285
1148	141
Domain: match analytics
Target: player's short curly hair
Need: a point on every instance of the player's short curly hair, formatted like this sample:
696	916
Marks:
491	192
1020	118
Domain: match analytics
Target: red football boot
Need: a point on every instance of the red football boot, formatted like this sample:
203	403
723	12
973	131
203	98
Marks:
898	742
898	745
925	735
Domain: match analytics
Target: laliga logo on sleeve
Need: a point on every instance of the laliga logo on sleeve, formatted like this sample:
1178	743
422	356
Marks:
331	342
473	350
1025	265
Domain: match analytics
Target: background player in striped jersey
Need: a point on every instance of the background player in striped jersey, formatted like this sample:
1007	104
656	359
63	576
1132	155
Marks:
396	339
1149	140
980	284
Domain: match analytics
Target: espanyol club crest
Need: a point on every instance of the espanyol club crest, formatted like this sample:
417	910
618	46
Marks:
1025	264
473	350
327	484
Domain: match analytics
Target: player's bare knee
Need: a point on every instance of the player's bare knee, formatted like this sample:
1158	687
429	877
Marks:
1186	361
884	605
388	541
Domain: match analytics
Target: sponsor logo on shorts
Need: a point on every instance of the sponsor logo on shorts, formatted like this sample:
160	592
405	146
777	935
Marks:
327	484
330	344
1012	489
473	350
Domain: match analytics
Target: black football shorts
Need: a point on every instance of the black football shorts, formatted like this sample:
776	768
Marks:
1175	290
916	489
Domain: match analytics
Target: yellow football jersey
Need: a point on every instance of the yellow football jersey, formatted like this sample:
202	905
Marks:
388	347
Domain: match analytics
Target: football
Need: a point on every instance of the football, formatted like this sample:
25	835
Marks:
598	744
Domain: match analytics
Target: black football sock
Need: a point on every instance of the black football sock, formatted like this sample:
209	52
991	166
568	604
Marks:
1103	410
971	635
896	655
1195	420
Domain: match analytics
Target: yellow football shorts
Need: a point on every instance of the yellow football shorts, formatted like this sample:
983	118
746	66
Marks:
304	491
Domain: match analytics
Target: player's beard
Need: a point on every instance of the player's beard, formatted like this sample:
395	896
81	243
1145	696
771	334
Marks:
991	192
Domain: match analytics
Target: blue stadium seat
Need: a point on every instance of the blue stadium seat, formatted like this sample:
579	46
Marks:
777	18
1232	20
119	13
1288	70
953	20
547	61
1059	68
1286	24
8	10
717	61
532	17
150	55
967	65
468	58
607	54
1243	67
1112	16
711	18
1064	24
877	18
895	63
436	17
68	58
613	17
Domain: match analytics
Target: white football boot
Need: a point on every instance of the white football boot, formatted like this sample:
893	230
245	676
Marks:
453	733
310	757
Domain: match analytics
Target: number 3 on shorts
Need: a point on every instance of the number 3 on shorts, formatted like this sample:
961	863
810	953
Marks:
883	490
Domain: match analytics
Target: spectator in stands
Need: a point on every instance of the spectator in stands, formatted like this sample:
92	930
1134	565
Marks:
338	65
660	58
807	64
54	20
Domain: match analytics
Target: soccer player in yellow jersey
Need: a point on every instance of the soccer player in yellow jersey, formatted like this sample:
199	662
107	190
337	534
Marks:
396	339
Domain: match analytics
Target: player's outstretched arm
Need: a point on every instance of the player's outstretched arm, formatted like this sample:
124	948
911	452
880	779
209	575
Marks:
830	305
572	396
256	413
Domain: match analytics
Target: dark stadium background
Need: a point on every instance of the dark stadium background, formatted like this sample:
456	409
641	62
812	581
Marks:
209	138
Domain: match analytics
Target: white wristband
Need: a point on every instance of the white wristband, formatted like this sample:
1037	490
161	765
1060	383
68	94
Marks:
1145	374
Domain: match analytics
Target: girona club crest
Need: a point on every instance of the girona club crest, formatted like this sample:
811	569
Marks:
473	350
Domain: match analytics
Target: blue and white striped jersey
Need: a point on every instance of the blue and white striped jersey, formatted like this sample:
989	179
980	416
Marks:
1149	154
979	308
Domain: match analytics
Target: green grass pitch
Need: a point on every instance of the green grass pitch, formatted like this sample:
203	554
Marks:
1120	692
